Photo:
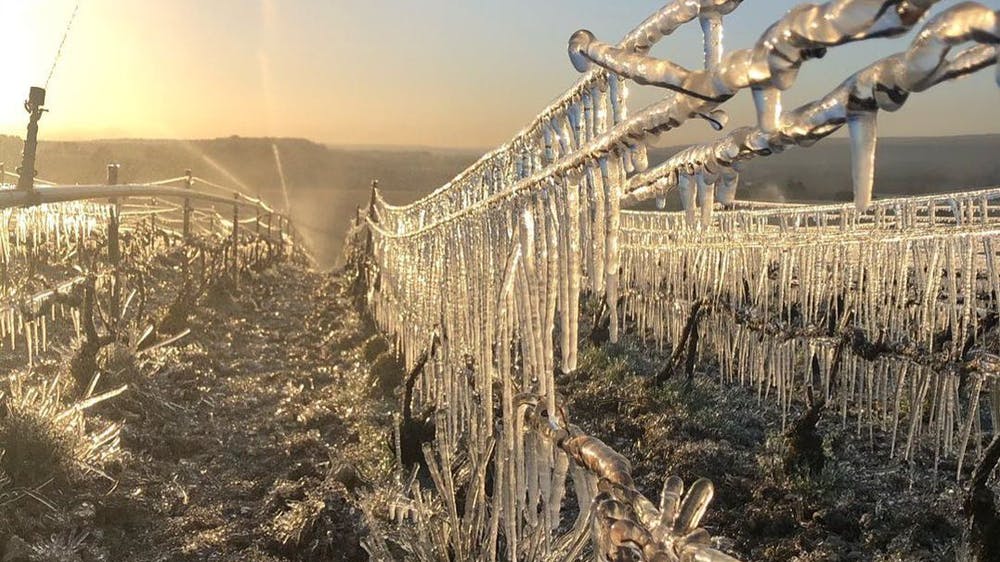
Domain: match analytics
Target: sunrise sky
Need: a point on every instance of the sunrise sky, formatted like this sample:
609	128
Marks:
443	73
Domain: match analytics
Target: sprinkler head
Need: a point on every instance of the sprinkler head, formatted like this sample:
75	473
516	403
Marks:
36	97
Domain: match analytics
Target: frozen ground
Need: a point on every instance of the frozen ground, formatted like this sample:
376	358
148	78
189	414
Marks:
256	437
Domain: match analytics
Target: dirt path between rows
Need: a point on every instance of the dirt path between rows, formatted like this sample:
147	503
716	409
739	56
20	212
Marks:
244	442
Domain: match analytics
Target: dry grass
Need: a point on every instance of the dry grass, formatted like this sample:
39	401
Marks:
45	440
62	547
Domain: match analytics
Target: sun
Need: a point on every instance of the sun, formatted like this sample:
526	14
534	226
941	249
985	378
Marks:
32	31
21	63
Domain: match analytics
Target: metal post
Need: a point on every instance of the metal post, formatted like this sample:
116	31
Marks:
33	105
188	181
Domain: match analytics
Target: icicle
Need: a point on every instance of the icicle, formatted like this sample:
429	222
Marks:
600	96
687	193
598	232
640	158
563	278
626	157
573	263
28	332
706	197
588	116
529	339
864	136
552	242
613	187
547	133
725	190
573	115
534	318
565	135
557	487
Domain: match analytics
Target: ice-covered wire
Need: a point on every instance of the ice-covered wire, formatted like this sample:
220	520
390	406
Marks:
595	82
886	84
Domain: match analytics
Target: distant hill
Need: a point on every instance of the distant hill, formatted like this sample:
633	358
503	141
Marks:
327	183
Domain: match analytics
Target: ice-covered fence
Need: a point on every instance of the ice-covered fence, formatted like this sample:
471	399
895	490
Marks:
56	236
592	107
495	263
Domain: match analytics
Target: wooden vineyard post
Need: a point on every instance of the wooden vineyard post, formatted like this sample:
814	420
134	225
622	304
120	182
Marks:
255	258
114	243
188	181
281	235
152	223
235	246
3	266
270	240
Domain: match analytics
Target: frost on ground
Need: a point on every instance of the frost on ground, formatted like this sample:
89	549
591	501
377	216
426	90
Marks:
258	436
247	440
859	506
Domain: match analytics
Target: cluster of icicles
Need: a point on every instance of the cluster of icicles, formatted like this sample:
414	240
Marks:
45	250
495	262
709	172
495	286
61	228
593	109
41	239
795	295
572	124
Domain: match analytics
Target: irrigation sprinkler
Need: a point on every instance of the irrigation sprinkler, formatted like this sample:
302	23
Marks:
34	106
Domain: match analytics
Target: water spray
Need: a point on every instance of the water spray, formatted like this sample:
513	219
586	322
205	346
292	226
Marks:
55	60
281	178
